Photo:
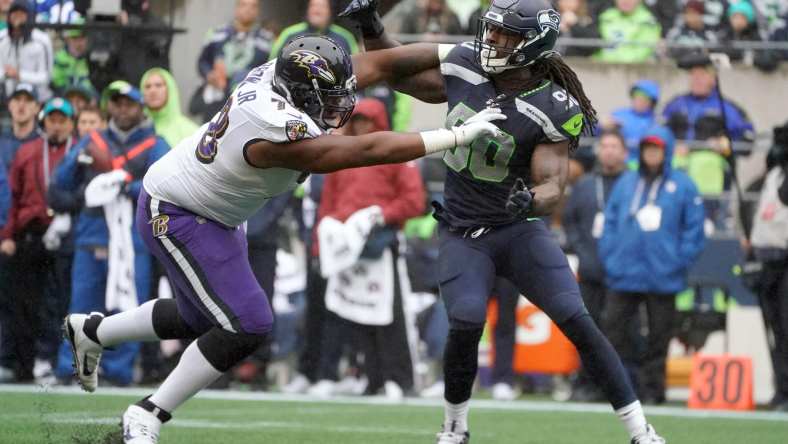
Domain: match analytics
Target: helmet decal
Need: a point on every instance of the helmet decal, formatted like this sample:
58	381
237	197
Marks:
315	65
550	19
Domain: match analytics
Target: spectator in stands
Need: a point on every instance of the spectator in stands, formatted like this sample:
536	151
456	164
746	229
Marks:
90	118
25	52
431	17
770	246
583	221
634	121
230	52
771	14
691	31
4	6
631	29
32	266
397	192
80	96
665	11
742	28
163	105
781	35
147	49
682	113
653	233
318	21
23	107
714	16
576	22
116	159
71	61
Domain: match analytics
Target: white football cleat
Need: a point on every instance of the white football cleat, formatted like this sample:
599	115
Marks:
140	426
299	384
650	437
503	392
87	353
452	436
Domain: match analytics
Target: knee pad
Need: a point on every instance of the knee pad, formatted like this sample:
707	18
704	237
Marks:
223	348
168	322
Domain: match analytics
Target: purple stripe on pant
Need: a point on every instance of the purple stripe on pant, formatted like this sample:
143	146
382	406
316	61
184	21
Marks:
208	266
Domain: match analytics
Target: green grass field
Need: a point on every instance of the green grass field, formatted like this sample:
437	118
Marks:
231	417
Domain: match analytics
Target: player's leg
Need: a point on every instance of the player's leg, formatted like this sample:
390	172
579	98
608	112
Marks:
536	264
467	273
213	260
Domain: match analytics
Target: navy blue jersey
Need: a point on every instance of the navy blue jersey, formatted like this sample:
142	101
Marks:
480	176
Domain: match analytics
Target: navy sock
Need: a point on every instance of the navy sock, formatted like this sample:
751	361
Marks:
460	363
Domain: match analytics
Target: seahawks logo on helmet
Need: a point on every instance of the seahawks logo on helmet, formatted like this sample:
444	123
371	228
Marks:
315	65
549	19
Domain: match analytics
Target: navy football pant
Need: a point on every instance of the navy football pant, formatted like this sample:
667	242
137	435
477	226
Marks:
528	256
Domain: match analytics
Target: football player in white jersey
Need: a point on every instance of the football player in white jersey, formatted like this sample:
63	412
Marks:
270	134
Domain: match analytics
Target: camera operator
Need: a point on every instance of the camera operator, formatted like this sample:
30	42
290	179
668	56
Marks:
770	246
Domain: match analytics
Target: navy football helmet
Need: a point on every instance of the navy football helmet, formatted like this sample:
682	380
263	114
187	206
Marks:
316	76
516	33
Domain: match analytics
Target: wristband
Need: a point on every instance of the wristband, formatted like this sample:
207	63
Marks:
438	140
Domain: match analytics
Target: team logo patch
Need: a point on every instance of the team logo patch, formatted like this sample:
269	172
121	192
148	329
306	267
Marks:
549	19
159	225
315	65
295	129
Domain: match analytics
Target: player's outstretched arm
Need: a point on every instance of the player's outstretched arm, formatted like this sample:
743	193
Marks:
410	69
330	153
549	172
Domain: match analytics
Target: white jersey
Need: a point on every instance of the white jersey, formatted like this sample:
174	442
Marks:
208	174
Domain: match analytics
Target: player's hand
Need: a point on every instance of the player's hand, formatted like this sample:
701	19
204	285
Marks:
8	247
477	126
365	13
520	200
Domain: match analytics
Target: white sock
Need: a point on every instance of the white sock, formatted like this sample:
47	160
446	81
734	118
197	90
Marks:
456	416
130	325
192	374
633	418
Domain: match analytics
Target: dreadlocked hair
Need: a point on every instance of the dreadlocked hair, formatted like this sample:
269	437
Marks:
553	68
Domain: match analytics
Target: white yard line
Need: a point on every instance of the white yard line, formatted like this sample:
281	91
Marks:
532	406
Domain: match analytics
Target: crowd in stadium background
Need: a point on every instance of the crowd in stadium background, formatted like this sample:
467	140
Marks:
65	94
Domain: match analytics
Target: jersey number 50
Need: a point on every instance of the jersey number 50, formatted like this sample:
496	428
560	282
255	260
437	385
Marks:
209	143
487	158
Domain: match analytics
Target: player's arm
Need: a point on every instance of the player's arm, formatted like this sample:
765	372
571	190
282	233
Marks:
328	153
549	172
410	69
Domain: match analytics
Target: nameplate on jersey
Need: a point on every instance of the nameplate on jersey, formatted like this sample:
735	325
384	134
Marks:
295	129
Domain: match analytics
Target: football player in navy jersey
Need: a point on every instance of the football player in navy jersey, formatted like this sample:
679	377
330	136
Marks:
497	187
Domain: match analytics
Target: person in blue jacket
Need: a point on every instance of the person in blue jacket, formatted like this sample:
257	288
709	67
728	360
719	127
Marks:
653	233
635	120
134	146
682	113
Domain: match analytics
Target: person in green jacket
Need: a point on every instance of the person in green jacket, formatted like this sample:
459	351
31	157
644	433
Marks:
71	62
318	21
163	105
629	21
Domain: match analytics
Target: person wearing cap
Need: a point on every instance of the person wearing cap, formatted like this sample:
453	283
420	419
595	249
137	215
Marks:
34	327
653	233
119	156
80	96
163	105
396	193
318	20
25	52
628	21
682	113
691	31
635	120
742	27
23	106
71	62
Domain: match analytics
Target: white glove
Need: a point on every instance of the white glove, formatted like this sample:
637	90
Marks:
60	226
477	126
104	188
